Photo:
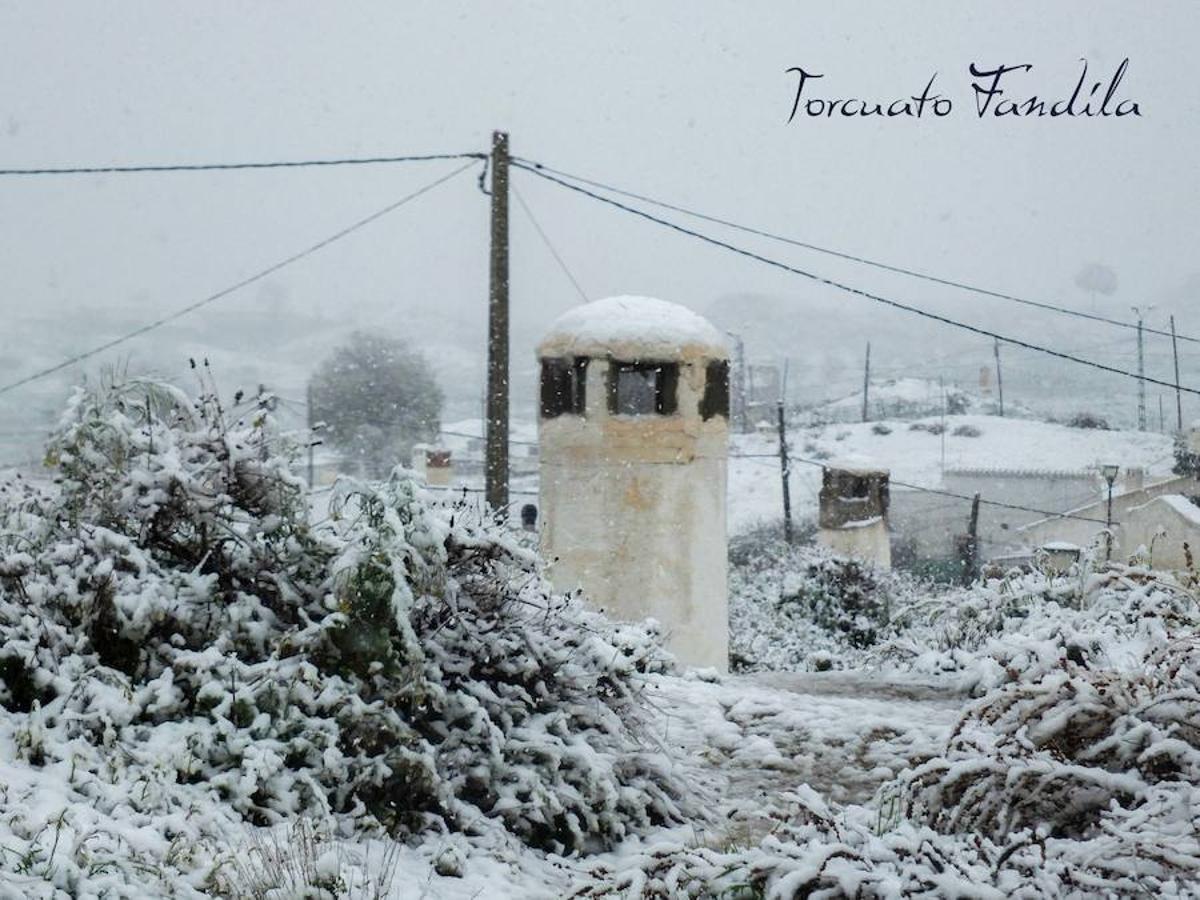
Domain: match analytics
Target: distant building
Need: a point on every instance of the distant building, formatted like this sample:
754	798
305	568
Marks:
465	441
434	464
1137	517
930	526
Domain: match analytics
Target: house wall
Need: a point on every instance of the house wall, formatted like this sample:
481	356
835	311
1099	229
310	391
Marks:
923	525
926	524
1039	489
1163	527
1084	533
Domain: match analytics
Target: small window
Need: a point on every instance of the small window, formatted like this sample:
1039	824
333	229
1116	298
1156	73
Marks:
715	401
563	387
859	488
642	388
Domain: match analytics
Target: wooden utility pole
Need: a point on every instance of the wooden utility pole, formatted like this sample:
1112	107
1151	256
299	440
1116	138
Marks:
866	380
999	380
942	386
311	438
1178	396
972	561
1141	359
785	471
496	466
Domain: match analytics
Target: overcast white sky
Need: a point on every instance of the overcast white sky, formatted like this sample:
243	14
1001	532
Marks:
687	101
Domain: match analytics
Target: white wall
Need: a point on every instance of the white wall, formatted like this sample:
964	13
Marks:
868	543
633	511
1162	527
1081	532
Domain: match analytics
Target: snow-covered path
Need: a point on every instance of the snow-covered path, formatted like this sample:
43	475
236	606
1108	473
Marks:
749	738
743	741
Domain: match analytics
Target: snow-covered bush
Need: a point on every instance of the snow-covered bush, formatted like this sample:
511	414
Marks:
816	849
183	653
1024	626
1088	420
1061	752
790	604
846	597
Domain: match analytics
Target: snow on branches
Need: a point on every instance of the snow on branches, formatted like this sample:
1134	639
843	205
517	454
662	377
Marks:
183	652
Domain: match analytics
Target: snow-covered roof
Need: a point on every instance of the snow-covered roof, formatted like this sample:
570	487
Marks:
1061	547
854	467
1182	505
1003	472
633	327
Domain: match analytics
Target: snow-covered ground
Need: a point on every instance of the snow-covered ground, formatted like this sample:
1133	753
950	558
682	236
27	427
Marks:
139	741
741	740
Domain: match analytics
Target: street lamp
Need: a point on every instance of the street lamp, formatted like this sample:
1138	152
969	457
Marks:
1110	475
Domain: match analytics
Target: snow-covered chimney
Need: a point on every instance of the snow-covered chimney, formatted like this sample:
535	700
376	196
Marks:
634	434
853	513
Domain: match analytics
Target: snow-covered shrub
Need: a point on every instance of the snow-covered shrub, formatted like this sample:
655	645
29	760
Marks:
844	596
931	427
816	849
1024	626
183	653
790	603
1088	420
1058	753
815	451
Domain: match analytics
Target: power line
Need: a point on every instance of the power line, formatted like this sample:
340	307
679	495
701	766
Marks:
479	437
541	168
456	488
968	497
226	167
549	246
927	490
821	279
258	276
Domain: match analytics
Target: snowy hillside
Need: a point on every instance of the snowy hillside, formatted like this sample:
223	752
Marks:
914	455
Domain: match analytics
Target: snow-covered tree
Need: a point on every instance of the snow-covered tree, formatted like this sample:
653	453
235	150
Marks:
376	397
